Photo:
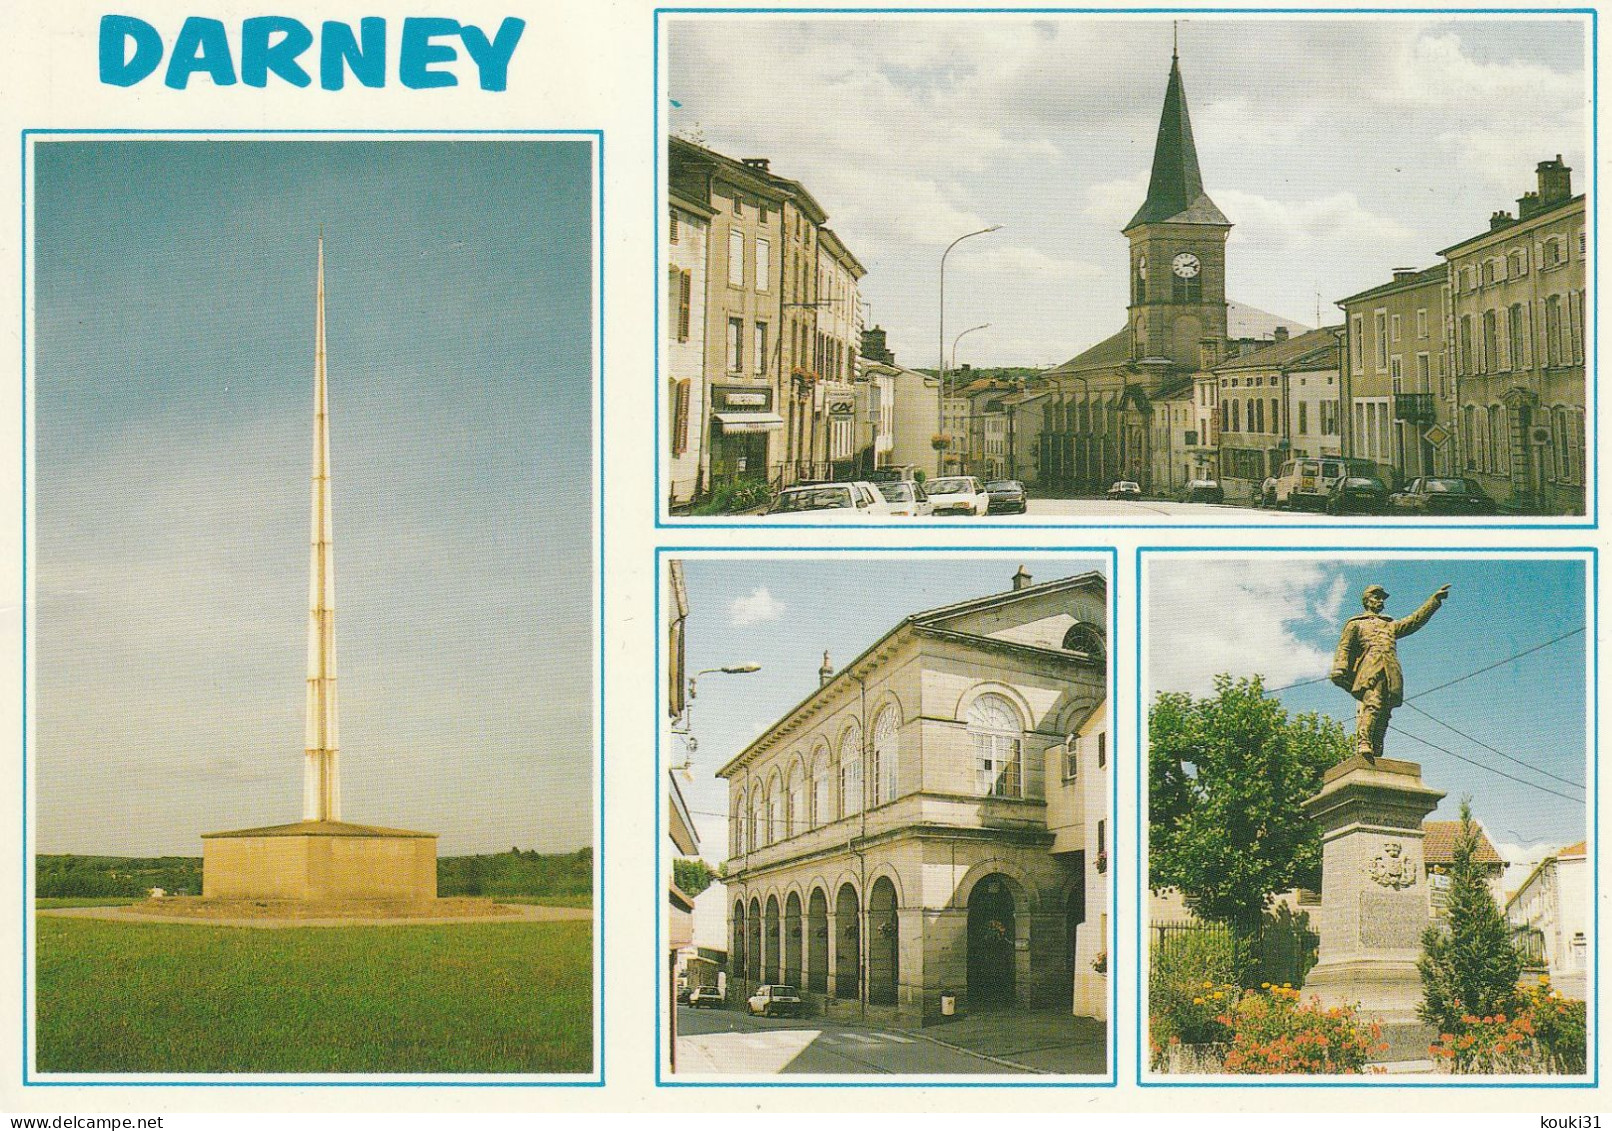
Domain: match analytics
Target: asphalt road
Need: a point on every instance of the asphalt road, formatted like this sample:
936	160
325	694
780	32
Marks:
1152	510
731	1042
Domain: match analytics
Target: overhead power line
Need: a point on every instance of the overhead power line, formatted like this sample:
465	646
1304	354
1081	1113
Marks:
1482	766
1498	663
1493	750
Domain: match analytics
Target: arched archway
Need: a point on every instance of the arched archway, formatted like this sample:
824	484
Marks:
792	939
992	929
884	943
817	942
847	946
738	944
752	931
770	953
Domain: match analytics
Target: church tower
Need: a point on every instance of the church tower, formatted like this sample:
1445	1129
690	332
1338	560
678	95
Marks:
1178	250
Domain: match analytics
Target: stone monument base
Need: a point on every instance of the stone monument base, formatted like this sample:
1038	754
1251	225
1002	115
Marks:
320	861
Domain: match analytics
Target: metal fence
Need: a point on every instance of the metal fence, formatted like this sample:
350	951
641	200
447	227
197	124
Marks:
1282	949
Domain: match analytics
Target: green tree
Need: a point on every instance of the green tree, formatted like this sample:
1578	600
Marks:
692	876
1227	779
1469	966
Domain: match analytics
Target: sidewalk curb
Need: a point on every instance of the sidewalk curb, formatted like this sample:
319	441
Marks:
1002	1060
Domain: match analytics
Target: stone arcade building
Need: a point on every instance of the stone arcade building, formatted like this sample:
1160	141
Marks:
933	818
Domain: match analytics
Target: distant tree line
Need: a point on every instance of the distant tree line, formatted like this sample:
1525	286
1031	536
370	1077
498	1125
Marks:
515	872
58	877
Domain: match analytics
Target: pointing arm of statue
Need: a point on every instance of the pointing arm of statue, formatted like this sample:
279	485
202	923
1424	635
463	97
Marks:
1422	615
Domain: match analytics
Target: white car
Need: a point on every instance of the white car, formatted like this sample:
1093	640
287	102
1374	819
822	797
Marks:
906	497
830	502
958	494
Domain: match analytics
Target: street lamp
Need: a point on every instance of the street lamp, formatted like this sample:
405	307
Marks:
690	744
960	337
940	409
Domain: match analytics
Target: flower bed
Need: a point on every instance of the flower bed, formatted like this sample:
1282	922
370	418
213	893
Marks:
1544	1033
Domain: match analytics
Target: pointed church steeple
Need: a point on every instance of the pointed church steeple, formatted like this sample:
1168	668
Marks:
1175	192
321	793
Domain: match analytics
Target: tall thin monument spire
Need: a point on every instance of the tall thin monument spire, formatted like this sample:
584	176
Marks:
321	792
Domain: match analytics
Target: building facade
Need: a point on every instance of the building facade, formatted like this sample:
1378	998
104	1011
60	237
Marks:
1517	333
932	821
688	238
1275	404
1555	905
782	322
1395	377
912	407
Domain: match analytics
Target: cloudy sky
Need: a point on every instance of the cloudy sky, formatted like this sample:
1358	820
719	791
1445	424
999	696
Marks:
174	295
1280	617
1340	149
772	612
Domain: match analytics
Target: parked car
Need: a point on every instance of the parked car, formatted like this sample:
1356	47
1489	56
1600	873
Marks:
1358	494
894	473
905	497
705	997
958	494
1204	491
683	994
776	1001
1307	483
1440	495
830	502
1008	496
1125	489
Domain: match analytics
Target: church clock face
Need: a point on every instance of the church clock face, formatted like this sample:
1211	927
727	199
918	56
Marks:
1186	265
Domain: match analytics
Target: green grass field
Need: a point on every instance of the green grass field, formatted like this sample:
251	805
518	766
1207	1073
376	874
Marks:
464	998
583	900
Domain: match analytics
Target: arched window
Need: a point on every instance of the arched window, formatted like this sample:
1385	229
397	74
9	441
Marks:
851	769
1085	637
758	819
775	809
886	755
740	812
997	735
822	788
797	800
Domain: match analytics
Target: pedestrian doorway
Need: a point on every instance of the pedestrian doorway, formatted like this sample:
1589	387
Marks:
992	930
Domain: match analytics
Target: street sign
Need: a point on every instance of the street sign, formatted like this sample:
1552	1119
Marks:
1438	435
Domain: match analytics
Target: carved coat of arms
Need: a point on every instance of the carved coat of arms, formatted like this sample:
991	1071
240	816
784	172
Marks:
1392	868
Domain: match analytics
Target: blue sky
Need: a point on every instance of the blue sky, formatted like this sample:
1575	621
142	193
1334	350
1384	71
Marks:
1339	148
782	614
1280	617
174	297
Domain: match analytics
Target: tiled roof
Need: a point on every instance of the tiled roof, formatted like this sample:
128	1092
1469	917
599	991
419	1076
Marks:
1278	355
1111	351
1578	849
1438	845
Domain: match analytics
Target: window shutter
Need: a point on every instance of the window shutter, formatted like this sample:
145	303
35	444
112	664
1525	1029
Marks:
685	292
680	418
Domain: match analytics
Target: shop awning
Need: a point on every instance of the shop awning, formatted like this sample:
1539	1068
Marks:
733	422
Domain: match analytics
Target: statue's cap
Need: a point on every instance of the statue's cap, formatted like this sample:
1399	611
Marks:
1370	589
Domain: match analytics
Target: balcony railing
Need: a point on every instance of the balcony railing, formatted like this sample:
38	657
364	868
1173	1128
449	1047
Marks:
1414	408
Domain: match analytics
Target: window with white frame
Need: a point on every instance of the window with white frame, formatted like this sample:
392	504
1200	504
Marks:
1394	327
775	810
763	266
761	361
741	813
851	769
1421	322
1379	321
797	800
886	755
998	738
735	258
735	345
822	789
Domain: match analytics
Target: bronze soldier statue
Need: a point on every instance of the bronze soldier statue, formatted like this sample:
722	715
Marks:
1367	665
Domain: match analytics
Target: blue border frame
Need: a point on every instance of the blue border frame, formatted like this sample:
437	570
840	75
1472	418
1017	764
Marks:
597	1078
718	553
1591	520
1588	554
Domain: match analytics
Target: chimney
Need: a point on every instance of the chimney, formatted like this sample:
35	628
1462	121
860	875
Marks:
1021	580
1280	334
1555	182
826	672
874	347
1403	273
759	164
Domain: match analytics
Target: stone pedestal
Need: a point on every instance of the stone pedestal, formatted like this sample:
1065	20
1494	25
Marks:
1374	897
320	861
